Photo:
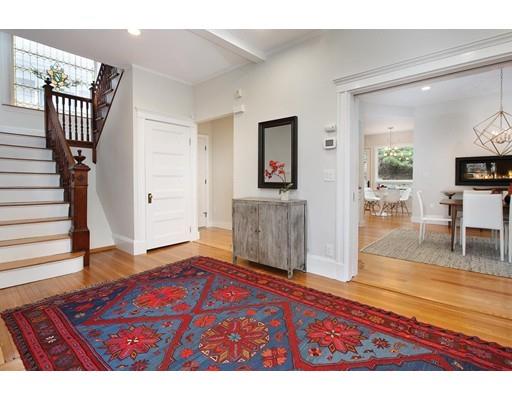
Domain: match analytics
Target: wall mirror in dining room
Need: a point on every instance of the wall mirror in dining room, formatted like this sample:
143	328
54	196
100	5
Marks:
277	153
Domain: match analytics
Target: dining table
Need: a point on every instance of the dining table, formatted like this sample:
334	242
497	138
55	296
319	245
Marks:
456	205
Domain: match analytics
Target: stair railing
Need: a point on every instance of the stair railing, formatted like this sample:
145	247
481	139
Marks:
73	172
103	91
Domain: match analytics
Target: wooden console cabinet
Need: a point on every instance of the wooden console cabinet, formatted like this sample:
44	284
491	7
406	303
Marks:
270	232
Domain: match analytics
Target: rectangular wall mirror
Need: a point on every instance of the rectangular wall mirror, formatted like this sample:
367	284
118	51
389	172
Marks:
277	143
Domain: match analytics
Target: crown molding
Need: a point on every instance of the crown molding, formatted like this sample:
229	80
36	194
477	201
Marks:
167	76
435	56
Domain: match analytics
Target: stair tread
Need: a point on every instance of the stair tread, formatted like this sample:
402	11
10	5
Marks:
28	173
32	203
31	187
22	134
30	262
33	221
25	159
35	239
26	147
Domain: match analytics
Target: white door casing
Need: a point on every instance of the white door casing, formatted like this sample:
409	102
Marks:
485	52
202	181
168	183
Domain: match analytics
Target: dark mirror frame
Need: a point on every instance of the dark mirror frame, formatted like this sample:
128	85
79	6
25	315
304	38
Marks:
292	121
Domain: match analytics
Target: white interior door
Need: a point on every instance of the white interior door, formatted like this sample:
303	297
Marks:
168	183
202	180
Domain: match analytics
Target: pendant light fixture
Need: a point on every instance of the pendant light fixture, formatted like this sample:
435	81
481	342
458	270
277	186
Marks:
495	133
391	151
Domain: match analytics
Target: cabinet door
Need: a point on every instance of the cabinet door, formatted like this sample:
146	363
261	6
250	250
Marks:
273	238
245	230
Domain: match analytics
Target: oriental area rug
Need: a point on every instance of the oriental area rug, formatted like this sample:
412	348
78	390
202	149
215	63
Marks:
208	315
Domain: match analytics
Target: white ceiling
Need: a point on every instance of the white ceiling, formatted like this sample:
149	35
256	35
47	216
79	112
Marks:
190	56
270	40
482	82
395	106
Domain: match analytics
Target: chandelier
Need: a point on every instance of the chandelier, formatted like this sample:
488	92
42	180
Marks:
391	151
495	133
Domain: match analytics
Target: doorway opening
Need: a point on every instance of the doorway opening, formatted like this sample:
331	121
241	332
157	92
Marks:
215	178
436	121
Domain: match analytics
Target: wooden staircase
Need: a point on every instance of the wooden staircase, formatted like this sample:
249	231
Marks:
43	186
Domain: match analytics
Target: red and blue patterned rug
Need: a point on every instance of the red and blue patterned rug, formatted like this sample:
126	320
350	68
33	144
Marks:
205	314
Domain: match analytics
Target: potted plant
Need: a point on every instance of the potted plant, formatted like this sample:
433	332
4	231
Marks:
276	168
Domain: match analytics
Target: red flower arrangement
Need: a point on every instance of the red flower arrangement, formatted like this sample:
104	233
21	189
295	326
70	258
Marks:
276	168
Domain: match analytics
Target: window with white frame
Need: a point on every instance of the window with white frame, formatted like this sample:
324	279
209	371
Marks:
33	62
394	163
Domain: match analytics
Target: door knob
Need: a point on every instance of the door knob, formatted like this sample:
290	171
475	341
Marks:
150	198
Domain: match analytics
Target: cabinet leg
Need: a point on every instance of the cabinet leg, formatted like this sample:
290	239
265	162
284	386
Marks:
290	273
234	259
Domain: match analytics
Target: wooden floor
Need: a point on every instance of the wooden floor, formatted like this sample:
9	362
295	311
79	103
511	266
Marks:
475	304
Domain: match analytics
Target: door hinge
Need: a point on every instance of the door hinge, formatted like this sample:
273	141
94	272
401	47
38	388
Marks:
205	181
190	229
190	141
204	148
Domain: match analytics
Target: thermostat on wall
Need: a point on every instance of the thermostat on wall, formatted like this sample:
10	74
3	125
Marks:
329	143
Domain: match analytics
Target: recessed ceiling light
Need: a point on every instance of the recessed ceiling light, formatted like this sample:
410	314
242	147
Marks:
134	32
425	88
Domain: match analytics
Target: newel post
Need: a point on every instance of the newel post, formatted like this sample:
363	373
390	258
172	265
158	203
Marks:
79	230
48	94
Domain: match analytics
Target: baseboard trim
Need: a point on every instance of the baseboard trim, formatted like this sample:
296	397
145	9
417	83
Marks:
102	249
129	245
417	220
326	267
221	224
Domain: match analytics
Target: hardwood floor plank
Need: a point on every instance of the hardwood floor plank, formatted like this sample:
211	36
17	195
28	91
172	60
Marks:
471	303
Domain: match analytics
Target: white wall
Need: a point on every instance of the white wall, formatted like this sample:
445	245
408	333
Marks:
118	172
159	94
443	132
299	81
115	165
220	133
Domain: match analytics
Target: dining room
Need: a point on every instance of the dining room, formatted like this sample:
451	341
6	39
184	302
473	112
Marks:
436	169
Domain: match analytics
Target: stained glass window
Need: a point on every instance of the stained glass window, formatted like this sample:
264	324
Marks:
31	59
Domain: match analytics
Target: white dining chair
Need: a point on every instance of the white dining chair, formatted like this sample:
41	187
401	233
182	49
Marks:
428	219
370	200
404	198
392	201
508	233
483	211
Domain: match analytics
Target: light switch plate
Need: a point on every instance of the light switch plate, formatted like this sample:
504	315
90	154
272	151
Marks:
329	250
329	175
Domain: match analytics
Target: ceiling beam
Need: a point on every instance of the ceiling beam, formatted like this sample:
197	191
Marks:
228	41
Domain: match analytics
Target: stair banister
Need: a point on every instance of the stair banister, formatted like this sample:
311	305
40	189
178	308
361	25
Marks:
73	172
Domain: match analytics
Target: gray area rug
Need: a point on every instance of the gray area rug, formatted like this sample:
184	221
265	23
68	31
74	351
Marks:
481	255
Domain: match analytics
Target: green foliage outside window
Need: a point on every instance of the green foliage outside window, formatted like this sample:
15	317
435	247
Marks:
395	164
